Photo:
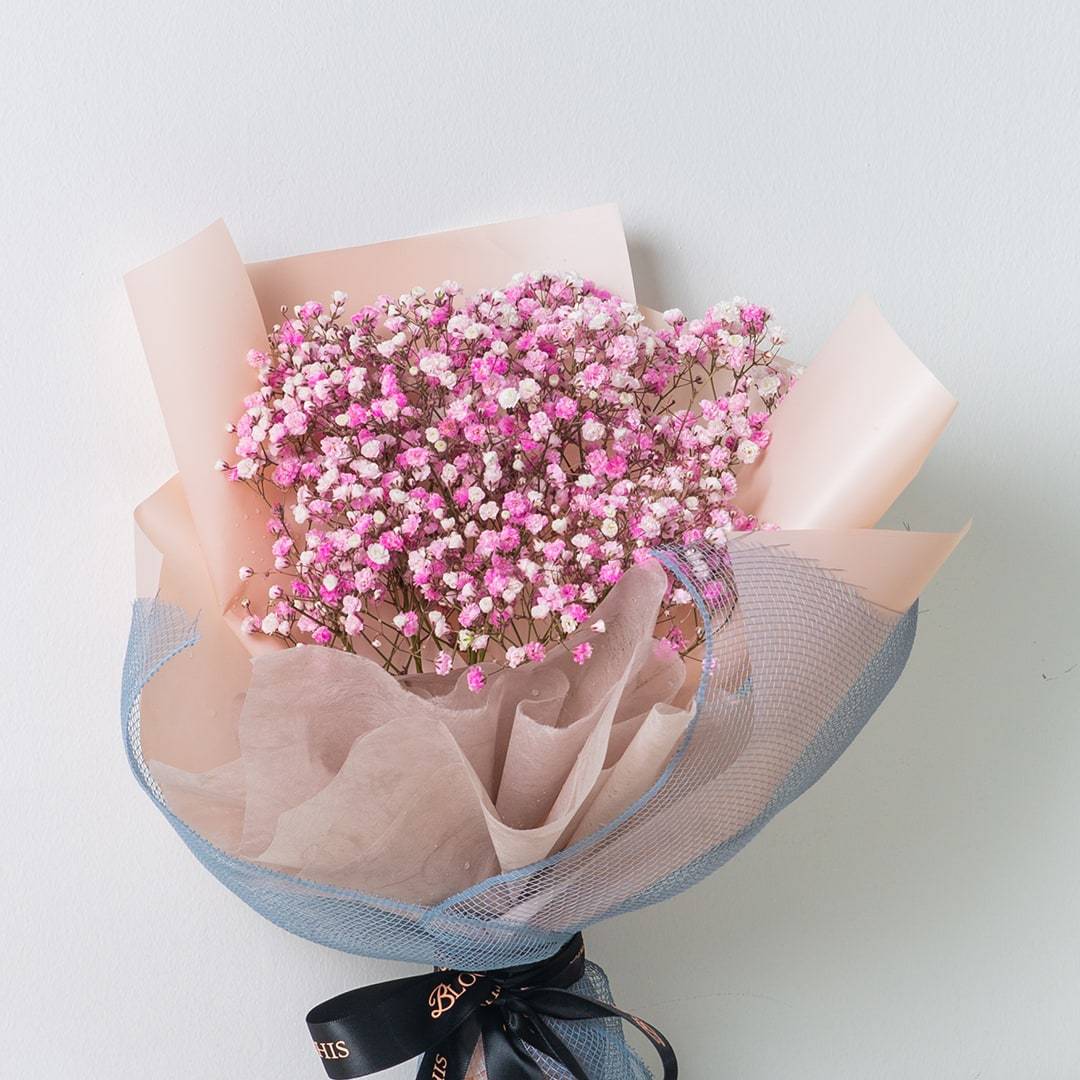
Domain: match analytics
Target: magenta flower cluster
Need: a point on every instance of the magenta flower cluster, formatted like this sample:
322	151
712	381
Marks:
454	479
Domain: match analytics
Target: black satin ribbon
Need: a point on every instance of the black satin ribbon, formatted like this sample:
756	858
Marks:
443	1016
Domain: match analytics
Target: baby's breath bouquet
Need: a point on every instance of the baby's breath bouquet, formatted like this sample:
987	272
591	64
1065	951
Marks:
515	608
451	483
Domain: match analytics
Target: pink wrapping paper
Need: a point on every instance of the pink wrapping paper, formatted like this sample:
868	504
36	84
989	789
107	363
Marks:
346	775
271	752
889	411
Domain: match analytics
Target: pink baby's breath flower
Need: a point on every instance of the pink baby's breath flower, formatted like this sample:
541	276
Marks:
296	422
290	334
475	679
582	652
753	318
496	462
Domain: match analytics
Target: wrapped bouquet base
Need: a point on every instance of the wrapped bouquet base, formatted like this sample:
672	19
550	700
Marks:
481	824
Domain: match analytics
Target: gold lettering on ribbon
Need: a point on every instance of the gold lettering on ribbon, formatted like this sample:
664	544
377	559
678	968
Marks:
332	1051
649	1030
442	999
439	1067
445	996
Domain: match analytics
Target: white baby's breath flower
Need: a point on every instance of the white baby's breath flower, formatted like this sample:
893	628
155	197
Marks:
509	397
768	385
391	345
747	451
378	554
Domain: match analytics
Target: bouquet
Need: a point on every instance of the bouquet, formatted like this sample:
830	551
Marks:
488	604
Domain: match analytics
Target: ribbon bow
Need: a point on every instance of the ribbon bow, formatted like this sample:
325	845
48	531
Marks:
442	1016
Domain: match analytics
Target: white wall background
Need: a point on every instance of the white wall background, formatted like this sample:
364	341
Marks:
918	913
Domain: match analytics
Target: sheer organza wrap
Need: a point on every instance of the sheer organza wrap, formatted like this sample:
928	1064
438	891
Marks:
414	820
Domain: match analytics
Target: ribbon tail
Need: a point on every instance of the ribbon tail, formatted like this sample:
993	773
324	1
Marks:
566	1005
450	1060
540	1035
505	1058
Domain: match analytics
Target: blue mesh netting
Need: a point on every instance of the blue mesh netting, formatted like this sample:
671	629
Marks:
796	662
